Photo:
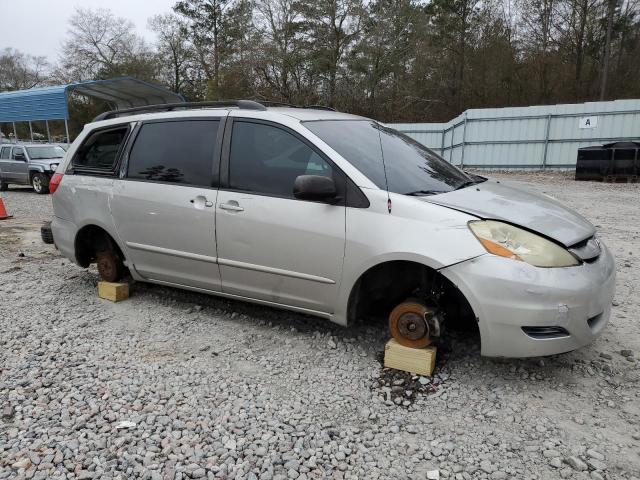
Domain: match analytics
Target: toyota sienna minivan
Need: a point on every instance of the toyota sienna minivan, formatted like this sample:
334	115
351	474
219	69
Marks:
332	215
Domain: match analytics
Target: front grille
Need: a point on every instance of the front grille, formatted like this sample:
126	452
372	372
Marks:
541	333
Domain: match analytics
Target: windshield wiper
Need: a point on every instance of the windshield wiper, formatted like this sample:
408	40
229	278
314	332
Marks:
468	183
422	193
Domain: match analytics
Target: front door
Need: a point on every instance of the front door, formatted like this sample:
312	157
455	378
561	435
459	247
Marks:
19	166
272	246
164	209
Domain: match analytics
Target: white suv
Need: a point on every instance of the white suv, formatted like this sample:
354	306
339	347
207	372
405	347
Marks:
332	215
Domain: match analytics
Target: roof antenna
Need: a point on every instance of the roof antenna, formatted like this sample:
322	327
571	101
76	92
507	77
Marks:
384	168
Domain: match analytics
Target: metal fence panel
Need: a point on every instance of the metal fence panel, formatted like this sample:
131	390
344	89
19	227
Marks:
545	136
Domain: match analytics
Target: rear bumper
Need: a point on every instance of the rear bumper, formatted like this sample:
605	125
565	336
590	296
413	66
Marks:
64	234
507	295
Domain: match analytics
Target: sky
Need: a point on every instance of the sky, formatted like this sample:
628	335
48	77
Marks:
38	27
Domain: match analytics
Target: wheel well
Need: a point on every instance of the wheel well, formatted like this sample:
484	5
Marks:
90	240
385	285
32	173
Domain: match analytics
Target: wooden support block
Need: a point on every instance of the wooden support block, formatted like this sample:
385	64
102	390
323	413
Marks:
415	360
113	291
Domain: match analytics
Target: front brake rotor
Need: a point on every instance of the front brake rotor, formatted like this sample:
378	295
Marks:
409	324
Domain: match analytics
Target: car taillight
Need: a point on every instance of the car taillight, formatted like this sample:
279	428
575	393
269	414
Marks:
55	182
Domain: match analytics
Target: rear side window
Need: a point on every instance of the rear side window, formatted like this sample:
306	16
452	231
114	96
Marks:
5	153
175	152
265	159
99	151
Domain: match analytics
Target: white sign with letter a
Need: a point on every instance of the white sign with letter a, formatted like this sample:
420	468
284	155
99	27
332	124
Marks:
588	122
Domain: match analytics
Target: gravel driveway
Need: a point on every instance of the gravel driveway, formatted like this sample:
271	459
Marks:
172	384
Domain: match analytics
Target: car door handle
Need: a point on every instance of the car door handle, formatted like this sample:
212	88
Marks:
201	202
232	207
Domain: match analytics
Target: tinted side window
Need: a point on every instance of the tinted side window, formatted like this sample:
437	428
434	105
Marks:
5	152
408	166
267	159
100	150
175	152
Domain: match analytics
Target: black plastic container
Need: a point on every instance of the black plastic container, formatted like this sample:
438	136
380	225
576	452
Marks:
613	162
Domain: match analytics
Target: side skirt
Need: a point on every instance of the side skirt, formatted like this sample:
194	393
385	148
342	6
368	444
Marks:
315	313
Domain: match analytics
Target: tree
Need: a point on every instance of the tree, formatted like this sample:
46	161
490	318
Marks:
101	45
283	62
453	25
19	71
205	21
331	27
241	40
174	52
383	56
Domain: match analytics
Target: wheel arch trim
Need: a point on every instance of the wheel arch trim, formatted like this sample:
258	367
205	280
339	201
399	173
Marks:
351	278
96	223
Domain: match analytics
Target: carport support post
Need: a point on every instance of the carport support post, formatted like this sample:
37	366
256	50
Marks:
31	131
46	122
464	138
15	133
546	142
453	134
66	129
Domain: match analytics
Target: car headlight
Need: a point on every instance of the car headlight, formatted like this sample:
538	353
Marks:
512	242
53	167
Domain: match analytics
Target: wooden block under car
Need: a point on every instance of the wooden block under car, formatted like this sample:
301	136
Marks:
415	360
113	291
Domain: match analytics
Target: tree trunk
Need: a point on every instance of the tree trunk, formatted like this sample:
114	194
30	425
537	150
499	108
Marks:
584	6
607	49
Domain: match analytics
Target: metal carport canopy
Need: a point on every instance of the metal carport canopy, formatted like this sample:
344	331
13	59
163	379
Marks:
50	103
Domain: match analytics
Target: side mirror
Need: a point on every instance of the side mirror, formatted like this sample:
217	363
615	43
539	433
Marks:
314	187
19	156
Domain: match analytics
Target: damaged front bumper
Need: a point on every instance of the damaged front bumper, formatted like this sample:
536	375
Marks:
526	311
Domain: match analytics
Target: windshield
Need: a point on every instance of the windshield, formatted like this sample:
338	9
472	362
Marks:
411	168
46	151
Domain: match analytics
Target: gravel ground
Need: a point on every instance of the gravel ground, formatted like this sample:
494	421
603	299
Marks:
172	384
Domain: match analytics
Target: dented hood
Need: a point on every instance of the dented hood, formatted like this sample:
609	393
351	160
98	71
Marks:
498	200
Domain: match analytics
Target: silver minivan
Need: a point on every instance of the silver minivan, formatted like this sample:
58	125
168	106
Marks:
29	164
332	215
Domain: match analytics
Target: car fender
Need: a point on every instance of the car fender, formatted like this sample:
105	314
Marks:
412	231
36	168
352	276
93	210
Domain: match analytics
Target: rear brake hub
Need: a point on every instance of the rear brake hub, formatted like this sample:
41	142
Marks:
108	266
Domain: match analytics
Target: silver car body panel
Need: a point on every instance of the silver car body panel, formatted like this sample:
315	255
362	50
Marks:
308	256
167	237
498	200
281	250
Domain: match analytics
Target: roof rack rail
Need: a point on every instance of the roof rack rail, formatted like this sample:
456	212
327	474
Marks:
320	107
167	107
273	103
291	105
